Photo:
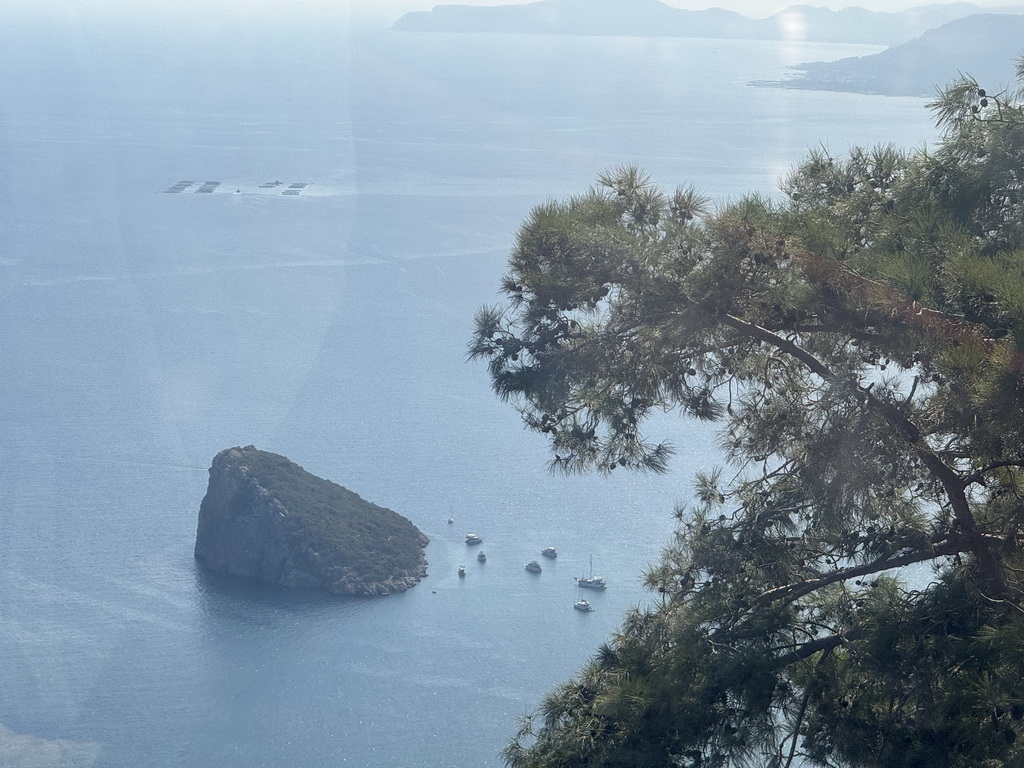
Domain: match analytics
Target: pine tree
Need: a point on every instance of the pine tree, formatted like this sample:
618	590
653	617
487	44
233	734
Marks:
860	342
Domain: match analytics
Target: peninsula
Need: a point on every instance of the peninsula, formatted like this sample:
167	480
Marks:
983	45
268	519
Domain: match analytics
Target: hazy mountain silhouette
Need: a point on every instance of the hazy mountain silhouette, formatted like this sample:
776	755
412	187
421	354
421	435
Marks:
578	17
985	46
655	19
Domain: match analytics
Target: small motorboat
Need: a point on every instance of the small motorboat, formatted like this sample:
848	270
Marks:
462	570
481	558
472	538
549	552
533	566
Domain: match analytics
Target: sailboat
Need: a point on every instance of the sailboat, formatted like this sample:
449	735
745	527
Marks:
582	605
591	581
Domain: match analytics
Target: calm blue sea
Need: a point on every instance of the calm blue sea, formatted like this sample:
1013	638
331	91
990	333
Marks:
142	331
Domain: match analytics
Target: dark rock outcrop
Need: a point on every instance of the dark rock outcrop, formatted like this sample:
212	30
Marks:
266	518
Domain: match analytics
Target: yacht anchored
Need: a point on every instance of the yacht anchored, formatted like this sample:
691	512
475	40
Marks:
591	581
549	552
472	538
533	566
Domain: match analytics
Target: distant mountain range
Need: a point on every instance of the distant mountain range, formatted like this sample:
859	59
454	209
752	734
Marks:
929	45
652	18
985	46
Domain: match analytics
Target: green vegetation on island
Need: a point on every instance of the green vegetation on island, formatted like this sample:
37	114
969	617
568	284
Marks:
848	591
266	517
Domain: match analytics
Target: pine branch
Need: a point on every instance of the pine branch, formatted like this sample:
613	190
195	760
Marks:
978	475
952	483
828	643
792	592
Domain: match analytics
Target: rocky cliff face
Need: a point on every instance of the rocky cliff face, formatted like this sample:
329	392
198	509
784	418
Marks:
265	518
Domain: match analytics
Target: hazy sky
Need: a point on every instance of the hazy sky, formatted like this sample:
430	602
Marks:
746	7
754	8
382	13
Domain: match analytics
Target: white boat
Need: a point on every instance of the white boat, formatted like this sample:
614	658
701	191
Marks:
549	552
582	605
591	581
462	570
533	566
472	538
482	558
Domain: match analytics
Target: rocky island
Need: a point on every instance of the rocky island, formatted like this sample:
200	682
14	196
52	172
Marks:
268	519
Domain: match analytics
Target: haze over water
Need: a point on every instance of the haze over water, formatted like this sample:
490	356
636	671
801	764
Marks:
143	330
